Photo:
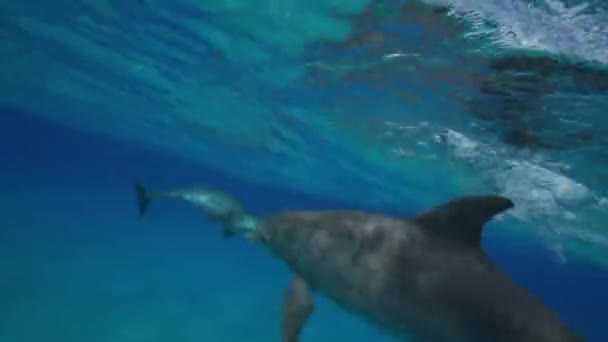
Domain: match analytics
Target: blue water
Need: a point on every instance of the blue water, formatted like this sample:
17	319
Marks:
78	264
384	105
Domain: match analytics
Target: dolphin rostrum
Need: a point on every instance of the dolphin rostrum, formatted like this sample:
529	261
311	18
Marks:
424	277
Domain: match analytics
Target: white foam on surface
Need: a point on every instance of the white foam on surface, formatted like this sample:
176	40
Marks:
580	30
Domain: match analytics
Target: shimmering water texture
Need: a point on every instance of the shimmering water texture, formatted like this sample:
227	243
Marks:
389	105
78	263
399	97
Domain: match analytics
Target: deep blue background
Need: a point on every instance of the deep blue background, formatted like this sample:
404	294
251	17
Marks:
35	152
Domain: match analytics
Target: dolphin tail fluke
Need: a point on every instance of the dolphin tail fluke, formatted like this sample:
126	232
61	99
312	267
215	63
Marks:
143	198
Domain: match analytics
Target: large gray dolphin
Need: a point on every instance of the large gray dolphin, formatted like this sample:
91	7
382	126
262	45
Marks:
424	277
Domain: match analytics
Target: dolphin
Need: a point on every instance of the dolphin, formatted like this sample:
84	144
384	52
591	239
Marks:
423	277
219	206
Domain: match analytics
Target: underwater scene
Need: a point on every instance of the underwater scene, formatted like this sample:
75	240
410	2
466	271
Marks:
289	170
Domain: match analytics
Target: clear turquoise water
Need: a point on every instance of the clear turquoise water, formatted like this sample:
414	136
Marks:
387	105
78	264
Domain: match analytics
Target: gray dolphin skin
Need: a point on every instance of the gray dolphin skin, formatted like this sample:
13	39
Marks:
421	278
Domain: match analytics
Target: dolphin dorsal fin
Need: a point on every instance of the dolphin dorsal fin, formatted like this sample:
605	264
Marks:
462	219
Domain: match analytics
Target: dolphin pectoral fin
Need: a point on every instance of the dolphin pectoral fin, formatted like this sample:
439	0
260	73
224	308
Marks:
143	198
462	220
227	233
298	304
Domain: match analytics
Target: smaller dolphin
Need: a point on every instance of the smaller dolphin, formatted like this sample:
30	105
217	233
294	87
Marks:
217	205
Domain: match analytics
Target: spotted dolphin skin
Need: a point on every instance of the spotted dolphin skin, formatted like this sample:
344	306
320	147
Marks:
422	278
217	205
